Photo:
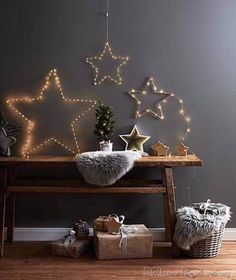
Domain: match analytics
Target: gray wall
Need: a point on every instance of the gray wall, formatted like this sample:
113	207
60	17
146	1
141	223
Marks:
187	45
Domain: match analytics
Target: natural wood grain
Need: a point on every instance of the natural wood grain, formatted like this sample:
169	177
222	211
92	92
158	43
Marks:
10	216
81	189
190	160
3	194
169	202
27	261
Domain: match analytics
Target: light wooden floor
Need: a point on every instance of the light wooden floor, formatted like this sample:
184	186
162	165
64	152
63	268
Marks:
32	261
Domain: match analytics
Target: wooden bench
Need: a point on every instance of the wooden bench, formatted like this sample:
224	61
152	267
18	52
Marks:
10	184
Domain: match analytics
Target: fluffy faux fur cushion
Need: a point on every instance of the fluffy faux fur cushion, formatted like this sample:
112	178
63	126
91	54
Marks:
105	168
192	226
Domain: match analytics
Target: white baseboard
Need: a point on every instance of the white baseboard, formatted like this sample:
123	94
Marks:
48	234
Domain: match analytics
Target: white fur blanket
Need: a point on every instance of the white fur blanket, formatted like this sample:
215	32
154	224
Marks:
105	168
193	225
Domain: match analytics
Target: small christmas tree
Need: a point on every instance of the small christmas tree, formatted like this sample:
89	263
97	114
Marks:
105	126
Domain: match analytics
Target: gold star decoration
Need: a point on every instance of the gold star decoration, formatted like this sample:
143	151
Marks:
159	149
149	88
182	150
96	61
28	147
134	141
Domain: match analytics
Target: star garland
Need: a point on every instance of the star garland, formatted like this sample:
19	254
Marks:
27	148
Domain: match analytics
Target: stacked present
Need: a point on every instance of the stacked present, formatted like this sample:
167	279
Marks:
114	240
75	243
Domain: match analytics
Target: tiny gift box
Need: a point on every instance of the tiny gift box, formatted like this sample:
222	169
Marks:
100	223
68	246
127	245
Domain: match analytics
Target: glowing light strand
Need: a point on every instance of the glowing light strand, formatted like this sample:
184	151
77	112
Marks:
134	94
107	50
27	150
156	89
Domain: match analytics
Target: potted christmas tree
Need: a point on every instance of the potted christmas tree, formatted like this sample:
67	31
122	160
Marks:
104	128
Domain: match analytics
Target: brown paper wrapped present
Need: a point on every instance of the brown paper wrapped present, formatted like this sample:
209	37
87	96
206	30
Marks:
132	246
72	250
100	223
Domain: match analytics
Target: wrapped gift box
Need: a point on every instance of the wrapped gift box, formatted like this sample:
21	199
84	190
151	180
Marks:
135	245
100	223
72	250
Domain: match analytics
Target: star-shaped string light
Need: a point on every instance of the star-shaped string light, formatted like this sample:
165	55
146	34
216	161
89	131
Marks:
27	147
96	60
149	88
134	141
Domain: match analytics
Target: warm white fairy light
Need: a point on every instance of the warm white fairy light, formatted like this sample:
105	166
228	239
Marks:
156	90
27	148
121	59
134	94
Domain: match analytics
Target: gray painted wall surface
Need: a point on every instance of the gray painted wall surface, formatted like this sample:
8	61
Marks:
187	45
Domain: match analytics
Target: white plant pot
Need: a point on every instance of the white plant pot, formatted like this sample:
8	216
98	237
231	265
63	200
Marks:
106	146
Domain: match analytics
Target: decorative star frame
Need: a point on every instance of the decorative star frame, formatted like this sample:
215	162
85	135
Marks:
93	61
134	141
150	84
27	148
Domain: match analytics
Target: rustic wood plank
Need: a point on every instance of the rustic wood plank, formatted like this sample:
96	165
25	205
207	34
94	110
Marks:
44	189
10	216
169	202
80	182
3	184
190	160
32	260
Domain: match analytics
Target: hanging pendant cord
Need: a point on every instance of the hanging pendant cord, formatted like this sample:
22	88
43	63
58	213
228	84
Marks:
107	20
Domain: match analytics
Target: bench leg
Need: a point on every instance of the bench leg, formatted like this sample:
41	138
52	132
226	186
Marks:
169	202
10	217
3	193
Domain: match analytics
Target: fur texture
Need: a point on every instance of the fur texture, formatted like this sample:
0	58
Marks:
192	226
105	168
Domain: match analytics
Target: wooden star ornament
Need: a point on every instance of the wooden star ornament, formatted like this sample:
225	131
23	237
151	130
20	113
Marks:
182	150
134	141
159	149
150	89
114	74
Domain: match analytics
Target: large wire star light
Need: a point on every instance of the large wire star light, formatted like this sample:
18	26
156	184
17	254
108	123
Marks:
27	147
150	83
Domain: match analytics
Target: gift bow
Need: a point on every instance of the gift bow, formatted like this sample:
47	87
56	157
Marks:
204	206
69	238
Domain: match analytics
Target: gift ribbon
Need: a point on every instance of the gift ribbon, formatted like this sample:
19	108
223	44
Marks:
204	206
125	231
69	238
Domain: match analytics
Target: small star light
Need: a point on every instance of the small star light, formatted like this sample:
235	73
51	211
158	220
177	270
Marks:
120	61
134	141
28	147
149	88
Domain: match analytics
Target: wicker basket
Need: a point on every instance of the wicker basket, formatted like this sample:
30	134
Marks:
209	247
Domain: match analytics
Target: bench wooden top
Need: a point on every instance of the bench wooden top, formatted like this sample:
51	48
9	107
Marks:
190	160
